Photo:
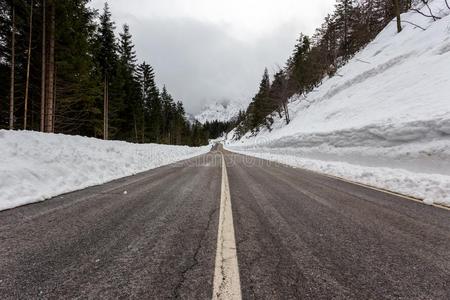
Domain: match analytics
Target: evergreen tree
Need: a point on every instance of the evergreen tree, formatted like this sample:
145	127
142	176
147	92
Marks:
279	94
126	50
179	123
168	112
156	116
342	18
262	103
107	59
126	99
198	134
299	65
150	101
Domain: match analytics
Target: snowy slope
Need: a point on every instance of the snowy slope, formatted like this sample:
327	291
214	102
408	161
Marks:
36	166
385	121
220	111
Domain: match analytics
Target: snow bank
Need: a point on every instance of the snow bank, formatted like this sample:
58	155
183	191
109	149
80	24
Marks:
433	188
36	166
384	120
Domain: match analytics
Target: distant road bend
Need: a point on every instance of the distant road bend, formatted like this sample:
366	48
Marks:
225	226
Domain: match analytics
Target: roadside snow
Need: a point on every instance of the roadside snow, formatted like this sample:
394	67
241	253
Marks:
36	166
432	188
384	121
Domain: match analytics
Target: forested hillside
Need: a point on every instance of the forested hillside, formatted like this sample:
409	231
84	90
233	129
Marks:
63	70
352	25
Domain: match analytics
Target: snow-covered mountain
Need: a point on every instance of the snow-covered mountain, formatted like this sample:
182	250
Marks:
385	121
190	118
220	111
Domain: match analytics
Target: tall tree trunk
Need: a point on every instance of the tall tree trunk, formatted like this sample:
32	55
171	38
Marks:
51	70
27	82
54	100
13	56
397	13
105	108
135	129
346	50
143	126
285	97
44	28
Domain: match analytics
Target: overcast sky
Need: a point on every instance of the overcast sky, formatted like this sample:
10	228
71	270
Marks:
210	50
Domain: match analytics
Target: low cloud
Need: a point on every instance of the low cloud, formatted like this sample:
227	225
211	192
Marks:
215	51
200	62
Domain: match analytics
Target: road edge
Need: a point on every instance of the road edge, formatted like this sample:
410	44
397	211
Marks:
381	190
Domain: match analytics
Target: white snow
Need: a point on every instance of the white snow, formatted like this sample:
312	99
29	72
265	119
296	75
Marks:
385	121
36	166
220	111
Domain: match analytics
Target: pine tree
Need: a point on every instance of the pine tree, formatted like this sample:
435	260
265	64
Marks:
279	94
179	123
262	104
298	66
343	17
168	108
151	112
126	50
156	115
145	76
107	59
127	100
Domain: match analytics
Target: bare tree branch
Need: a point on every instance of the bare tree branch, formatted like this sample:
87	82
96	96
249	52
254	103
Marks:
429	9
413	24
425	15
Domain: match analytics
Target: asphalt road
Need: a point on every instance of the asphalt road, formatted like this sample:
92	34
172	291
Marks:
299	235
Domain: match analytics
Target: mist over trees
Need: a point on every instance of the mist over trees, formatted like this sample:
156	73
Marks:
351	26
64	70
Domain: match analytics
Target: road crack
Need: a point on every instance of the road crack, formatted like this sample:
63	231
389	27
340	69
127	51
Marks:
195	262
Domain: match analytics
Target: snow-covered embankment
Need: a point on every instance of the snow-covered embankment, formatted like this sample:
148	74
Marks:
384	121
36	166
